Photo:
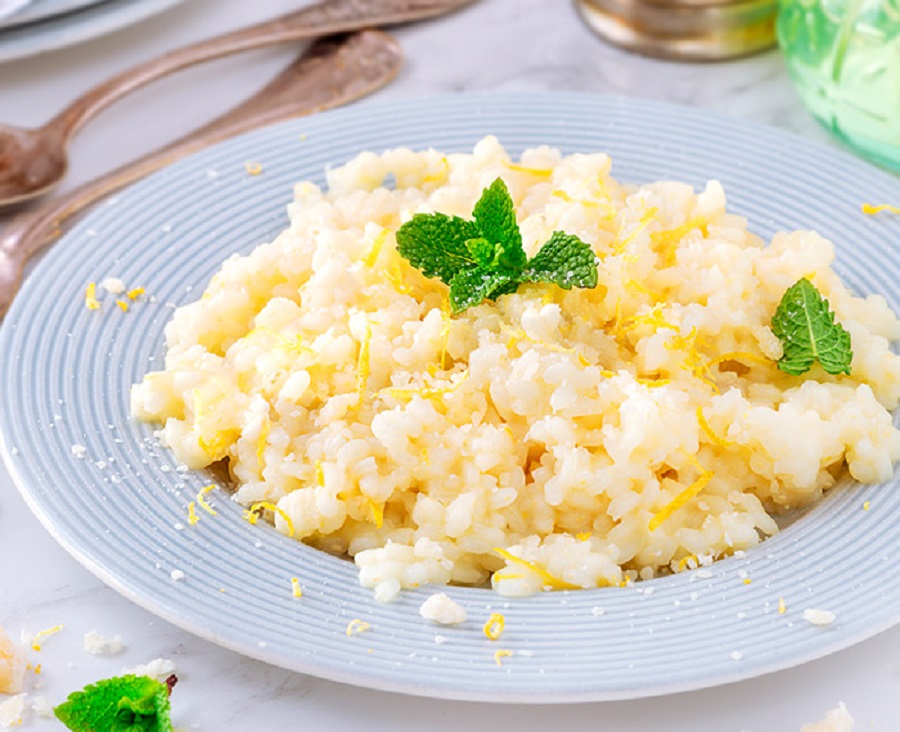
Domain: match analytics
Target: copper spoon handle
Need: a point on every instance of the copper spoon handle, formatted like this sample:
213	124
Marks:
331	73
323	18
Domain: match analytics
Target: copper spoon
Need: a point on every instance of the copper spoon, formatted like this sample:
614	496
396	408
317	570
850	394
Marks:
330	73
33	161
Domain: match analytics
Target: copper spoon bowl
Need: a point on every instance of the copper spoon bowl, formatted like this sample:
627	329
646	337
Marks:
332	72
33	161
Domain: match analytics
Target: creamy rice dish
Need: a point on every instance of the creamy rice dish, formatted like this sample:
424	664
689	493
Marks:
549	439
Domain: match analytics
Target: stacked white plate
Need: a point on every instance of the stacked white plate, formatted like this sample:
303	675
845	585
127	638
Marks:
38	26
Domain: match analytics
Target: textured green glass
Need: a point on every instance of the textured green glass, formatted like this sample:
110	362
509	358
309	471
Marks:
844	58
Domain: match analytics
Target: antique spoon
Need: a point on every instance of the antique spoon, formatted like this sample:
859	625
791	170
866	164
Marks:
33	161
332	72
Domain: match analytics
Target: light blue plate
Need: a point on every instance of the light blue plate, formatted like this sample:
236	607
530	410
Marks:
42	9
75	25
65	374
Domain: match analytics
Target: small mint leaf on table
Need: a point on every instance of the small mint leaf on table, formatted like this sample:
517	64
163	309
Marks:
805	325
565	260
436	244
121	704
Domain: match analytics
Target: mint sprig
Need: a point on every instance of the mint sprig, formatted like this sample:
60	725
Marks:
121	704
483	258
805	325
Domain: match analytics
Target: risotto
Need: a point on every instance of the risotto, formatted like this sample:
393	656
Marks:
548	439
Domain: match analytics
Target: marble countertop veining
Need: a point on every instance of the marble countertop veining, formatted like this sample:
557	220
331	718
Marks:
494	44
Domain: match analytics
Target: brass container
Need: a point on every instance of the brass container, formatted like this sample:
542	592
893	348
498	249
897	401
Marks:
684	30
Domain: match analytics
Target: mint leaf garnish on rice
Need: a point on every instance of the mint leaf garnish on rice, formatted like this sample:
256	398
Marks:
483	258
805	325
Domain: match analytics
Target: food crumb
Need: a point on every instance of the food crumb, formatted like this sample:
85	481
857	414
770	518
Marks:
11	711
818	617
41	706
836	720
12	668
598	612
296	590
113	285
439	608
79	451
159	669
253	168
176	574
90	297
98	645
736	655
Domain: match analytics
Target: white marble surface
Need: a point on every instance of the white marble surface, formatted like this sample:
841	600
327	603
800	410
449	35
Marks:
496	44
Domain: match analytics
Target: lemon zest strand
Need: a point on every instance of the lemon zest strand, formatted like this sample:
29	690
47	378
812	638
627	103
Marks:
201	499
872	209
90	297
296	590
549	579
320	474
255	508
377	244
782	608
262	442
680	500
357	626
494	626
540	172
193	518
377	510
35	644
135	293
362	365
500	654
123	305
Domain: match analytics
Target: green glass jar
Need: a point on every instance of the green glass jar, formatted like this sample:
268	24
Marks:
844	58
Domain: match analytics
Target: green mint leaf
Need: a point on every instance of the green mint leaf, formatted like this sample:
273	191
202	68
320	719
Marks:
495	215
804	323
482	251
436	244
565	260
473	286
121	704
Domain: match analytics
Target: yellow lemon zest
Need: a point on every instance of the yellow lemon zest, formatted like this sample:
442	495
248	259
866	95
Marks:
710	434
549	579
262	441
680	500
193	518
782	608
201	499
256	507
357	626
296	590
377	244
445	330
540	172
362	365
135	293
684	562
517	335
693	360
440	175
866	506
408	392
654	318
501	654
493	628
872	209
667	241
741	356
394	275
377	510
583	536
320	474
646	217
747	580
123	305
250	516
253	168
90	297
40	635
653	383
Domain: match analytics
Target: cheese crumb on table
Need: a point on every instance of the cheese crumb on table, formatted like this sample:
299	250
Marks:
113	285
159	669
12	668
11	711
836	720
439	608
97	645
818	617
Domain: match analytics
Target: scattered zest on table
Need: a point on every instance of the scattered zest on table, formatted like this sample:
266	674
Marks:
121	704
805	325
872	209
483	258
